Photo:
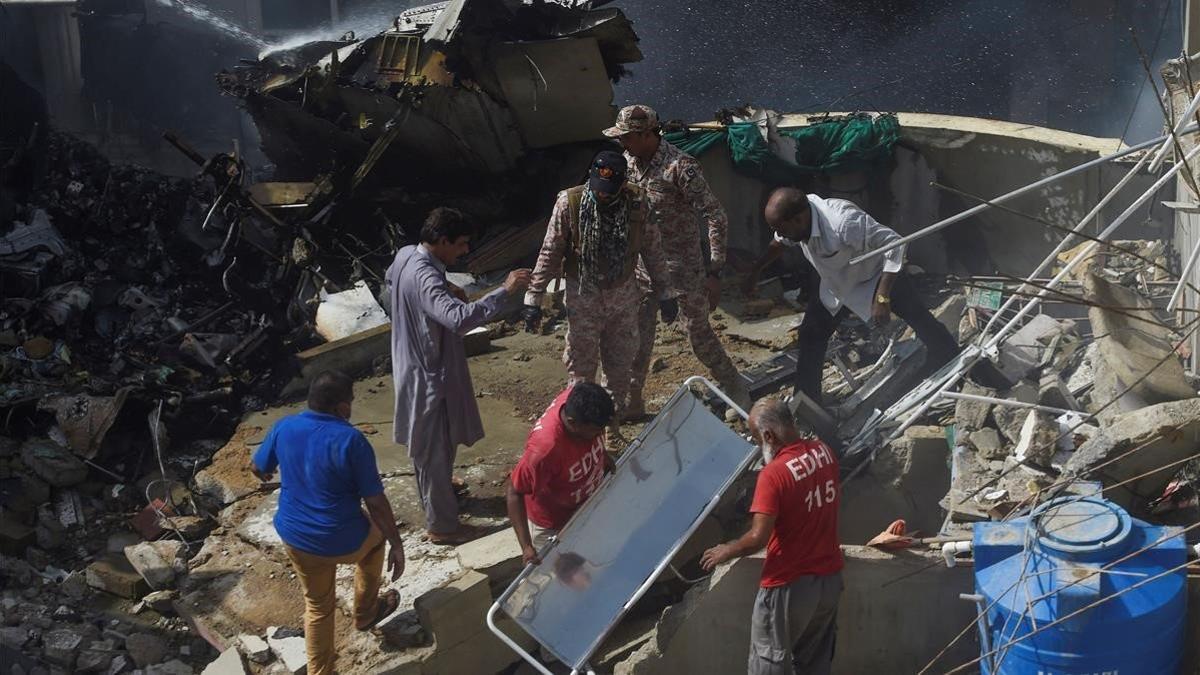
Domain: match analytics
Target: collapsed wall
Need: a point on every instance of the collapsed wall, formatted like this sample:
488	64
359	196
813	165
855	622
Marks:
894	612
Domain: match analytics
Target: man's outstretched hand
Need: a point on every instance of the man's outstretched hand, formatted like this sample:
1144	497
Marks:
715	556
517	281
529	556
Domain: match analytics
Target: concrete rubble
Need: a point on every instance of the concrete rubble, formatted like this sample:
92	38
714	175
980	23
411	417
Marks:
153	327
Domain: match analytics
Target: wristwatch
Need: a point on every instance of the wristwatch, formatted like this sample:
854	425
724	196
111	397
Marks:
882	299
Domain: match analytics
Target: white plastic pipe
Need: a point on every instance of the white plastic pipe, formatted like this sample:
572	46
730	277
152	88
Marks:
1086	253
529	658
1005	402
1183	277
952	548
942	224
1159	156
1048	261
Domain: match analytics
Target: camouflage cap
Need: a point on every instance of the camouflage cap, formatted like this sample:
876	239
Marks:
631	119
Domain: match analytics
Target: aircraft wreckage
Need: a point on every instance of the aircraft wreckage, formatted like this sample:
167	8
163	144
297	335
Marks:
467	87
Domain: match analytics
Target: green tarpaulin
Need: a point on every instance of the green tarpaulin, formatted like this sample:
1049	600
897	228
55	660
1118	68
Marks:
836	146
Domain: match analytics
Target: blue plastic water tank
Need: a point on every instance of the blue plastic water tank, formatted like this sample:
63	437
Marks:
1028	586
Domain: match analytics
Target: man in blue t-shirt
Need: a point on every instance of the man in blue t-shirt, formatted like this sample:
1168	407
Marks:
326	471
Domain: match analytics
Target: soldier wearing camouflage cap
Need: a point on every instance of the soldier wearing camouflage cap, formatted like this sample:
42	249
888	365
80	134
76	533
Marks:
598	234
679	200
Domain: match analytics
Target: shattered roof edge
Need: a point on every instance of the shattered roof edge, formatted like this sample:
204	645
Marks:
961	123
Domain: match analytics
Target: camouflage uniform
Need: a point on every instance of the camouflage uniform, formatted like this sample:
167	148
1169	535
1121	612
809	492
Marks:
679	198
601	326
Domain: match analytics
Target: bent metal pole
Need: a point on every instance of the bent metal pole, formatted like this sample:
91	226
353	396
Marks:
942	224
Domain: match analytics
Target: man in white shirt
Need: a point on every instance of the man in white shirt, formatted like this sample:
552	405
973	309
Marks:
831	232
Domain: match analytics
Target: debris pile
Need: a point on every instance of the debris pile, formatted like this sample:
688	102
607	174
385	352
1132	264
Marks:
141	317
1101	403
110	286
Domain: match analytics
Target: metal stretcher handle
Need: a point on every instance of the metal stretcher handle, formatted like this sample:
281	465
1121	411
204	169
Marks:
496	606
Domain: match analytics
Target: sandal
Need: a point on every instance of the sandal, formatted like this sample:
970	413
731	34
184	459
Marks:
388	603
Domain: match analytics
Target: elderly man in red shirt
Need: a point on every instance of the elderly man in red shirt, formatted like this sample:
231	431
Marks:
794	511
563	464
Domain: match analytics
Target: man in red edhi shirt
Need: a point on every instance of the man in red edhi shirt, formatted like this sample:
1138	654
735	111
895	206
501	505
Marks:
794	512
563	464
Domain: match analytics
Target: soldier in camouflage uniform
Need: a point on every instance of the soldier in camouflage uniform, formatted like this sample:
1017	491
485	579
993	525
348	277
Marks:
596	235
679	199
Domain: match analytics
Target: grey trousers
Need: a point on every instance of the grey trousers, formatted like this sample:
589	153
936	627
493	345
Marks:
794	627
433	462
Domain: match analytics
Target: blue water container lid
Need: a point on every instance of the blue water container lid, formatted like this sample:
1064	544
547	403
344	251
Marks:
1082	527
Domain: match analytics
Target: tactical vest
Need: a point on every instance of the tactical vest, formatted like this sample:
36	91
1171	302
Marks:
637	227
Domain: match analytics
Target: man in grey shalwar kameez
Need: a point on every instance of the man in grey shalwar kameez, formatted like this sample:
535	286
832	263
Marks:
435	401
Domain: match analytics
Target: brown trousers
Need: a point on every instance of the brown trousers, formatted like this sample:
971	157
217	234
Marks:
317	575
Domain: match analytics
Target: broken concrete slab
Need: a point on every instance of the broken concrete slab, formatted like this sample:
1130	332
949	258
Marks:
228	663
1038	439
114	574
146	649
1054	393
405	635
61	647
353	355
74	585
1009	419
905	481
162	602
1084	376
255	648
972	414
987	443
455	612
982	488
1021	353
1134	353
1166	434
289	650
97	658
159	562
497	555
